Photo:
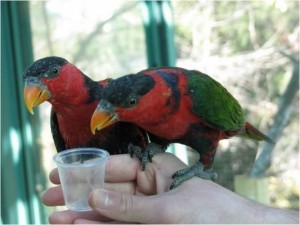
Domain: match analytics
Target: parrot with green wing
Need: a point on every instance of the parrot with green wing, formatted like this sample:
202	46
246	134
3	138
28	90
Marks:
177	106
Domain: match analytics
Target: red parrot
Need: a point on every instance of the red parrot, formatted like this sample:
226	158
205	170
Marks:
74	97
178	106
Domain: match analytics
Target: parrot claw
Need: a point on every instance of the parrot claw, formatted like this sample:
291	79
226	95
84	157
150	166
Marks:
146	155
196	170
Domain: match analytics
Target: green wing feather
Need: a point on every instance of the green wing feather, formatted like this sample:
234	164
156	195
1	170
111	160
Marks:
213	103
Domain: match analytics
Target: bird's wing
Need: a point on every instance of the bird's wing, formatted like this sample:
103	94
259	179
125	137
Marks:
57	137
213	103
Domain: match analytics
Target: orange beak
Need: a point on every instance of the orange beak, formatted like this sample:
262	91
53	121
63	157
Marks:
103	116
35	94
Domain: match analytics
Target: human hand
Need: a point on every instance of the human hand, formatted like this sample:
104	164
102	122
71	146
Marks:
122	174
132	195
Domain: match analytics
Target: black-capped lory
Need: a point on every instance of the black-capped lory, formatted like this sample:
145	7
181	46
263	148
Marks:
179	106
74	97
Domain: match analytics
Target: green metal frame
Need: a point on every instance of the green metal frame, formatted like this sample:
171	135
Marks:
159	32
20	171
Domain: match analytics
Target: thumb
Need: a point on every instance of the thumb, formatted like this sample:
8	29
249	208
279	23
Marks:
125	207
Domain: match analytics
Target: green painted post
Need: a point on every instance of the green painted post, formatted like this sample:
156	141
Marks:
20	165
159	35
159	32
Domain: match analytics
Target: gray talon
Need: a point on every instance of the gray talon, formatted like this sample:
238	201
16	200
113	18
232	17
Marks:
146	155
196	170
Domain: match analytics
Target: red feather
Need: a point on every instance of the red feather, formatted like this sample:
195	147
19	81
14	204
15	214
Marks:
74	97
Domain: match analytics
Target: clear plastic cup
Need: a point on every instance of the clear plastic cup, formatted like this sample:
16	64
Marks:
80	170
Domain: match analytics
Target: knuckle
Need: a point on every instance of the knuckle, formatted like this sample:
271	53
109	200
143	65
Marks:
127	203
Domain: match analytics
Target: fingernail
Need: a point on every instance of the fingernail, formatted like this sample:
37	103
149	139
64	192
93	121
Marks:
99	199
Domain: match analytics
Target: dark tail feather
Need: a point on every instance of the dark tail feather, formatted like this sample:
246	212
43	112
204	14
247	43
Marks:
253	133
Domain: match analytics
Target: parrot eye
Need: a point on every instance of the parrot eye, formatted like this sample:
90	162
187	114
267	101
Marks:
52	72
55	70
132	102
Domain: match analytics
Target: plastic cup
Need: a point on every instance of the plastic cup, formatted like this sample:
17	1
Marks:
80	170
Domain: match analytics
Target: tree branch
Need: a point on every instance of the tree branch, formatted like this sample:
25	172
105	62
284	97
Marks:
263	162
98	30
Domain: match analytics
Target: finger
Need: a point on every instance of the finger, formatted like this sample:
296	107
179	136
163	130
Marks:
121	168
125	207
115	171
53	196
125	187
157	176
54	176
69	217
173	163
84	221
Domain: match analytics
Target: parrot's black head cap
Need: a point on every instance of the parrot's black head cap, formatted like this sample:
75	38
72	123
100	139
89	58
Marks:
43	65
120	90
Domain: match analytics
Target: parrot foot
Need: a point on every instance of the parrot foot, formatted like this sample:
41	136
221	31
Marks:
196	170
146	155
